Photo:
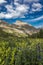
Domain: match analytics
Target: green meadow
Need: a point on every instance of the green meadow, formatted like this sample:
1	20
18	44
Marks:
20	50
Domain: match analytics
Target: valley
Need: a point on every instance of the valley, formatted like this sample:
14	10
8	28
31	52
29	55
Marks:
20	44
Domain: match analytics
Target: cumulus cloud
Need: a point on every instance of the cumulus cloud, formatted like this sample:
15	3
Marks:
16	2
2	15
2	1
36	7
22	8
19	11
5	15
29	1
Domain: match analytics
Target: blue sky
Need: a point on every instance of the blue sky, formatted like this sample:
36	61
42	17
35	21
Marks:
30	11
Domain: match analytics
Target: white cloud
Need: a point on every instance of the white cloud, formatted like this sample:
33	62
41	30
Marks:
9	8
16	2
22	8
37	19
4	15
29	1
2	1
18	12
36	7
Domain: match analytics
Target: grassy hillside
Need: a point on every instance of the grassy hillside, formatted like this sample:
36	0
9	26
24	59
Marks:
20	50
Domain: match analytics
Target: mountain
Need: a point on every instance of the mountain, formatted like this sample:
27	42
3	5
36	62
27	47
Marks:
26	28
18	28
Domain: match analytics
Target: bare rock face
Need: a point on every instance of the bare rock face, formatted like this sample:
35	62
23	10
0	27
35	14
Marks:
18	27
26	28
20	23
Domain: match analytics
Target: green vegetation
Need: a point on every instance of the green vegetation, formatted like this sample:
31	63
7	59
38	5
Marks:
20	50
38	35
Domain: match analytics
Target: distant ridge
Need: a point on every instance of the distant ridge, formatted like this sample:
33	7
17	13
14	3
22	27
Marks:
18	27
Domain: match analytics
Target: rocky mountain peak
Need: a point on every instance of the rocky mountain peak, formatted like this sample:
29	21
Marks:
18	22
19	27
